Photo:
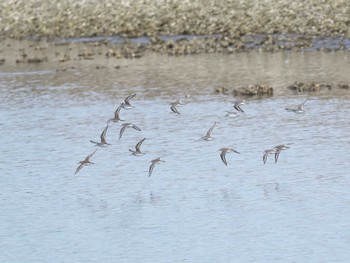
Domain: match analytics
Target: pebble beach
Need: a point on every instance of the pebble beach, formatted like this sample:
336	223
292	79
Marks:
65	18
225	26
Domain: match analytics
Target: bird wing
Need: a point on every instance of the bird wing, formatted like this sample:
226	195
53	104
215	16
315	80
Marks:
223	157
93	142
128	98
138	145
290	109
265	157
116	113
306	100
174	109
136	127
236	151
238	108
277	153
301	106
79	167
103	134
266	154
122	131
151	168
210	130
90	155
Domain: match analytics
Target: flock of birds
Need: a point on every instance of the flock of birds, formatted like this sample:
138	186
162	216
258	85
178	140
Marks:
103	142
173	107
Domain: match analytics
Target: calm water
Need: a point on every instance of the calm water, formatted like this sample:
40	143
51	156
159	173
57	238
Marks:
193	208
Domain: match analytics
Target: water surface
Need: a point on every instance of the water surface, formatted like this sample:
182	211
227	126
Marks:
193	208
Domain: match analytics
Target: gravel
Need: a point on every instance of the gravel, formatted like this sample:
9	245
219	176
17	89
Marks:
69	18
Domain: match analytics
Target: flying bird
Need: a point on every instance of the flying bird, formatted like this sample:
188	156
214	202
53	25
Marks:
126	103
299	108
103	141
208	136
278	150
223	153
175	104
266	154
153	163
137	151
237	105
85	162
116	117
125	126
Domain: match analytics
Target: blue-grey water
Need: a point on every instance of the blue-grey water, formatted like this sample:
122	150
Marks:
317	43
193	208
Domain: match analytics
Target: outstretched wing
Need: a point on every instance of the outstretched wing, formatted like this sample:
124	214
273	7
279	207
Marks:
223	157
79	167
122	131
116	113
301	106
90	155
210	130
151	168
237	107
138	145
277	153
103	134
266	154
128	98
136	127
174	109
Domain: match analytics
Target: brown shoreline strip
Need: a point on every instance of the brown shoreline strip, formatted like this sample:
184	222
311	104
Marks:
64	18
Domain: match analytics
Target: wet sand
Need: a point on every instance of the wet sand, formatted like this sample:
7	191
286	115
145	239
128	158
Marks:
153	74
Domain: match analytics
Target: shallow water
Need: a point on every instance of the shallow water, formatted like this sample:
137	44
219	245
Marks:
317	43
193	208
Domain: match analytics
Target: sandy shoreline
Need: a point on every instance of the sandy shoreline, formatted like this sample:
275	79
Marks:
238	25
64	18
104	61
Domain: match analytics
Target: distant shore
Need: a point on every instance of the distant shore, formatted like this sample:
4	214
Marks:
65	18
172	27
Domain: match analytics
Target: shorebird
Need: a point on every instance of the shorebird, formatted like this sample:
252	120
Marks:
266	154
278	150
237	105
175	104
116	117
153	163
223	153
125	126
126	103
137	151
299	108
102	137
208	136
86	161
